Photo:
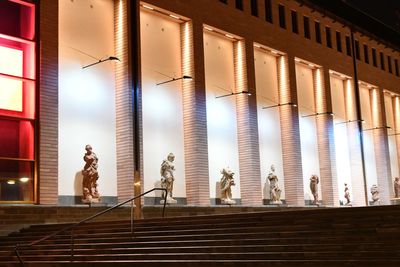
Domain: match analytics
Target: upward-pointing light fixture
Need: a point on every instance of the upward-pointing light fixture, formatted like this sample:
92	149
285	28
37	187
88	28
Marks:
319	113
237	93
101	61
184	77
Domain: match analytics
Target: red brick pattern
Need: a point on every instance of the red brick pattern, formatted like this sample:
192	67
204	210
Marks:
48	106
123	96
290	132
246	113
325	138
194	115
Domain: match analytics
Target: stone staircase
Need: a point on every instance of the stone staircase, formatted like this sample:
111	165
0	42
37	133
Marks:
367	236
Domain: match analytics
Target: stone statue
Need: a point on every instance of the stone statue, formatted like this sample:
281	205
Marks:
274	190
375	194
396	186
225	185
167	178
314	181
346	194
90	177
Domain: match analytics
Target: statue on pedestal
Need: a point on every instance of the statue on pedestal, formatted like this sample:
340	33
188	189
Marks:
90	177
274	190
167	178
396	187
314	181
225	185
346	194
375	194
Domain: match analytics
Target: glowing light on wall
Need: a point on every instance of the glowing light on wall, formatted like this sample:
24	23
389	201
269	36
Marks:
11	89
319	93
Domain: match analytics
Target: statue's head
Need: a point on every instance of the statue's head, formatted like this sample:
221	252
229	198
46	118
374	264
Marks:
273	167
171	157
88	148
396	179
226	171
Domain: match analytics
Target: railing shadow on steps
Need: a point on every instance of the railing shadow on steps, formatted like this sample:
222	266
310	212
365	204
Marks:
71	227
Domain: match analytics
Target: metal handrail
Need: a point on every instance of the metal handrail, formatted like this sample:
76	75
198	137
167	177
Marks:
71	227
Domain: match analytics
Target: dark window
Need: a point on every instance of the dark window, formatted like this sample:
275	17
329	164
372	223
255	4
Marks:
389	60
268	11
382	60
239	4
374	57
224	1
338	41
366	57
282	20
306	24
328	37
348	46
317	32
357	48
295	26
254	8
396	67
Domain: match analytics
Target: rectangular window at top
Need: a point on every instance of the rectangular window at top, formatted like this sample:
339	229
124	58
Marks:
282	20
254	8
268	11
239	4
348	46
306	24
389	60
382	60
338	42
317	32
357	48
224	1
328	37
373	51
366	57
295	27
396	67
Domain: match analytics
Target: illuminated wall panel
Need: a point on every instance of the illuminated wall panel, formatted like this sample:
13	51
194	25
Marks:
269	128
343	166
221	112
86	96
308	130
394	160
162	104
369	149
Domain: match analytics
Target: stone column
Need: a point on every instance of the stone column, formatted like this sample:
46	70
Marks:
325	137
246	108
290	131
195	115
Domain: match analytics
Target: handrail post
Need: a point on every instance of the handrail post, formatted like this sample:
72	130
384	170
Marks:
19	256
165	201
132	219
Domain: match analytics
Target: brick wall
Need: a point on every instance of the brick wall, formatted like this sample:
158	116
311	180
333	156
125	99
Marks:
194	115
124	106
325	138
246	113
48	105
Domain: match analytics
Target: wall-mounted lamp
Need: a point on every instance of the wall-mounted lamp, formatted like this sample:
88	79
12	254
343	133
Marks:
394	134
184	77
349	121
376	128
279	105
318	113
101	61
237	93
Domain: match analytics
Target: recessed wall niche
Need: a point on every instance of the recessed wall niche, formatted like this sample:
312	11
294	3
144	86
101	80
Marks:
308	128
221	112
269	128
162	104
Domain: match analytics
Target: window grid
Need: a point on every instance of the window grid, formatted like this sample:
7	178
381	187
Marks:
374	62
338	42
306	24
282	20
268	11
366	57
348	46
317	32
382	58
295	27
328	37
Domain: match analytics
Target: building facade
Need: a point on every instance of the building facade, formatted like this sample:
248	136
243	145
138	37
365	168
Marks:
272	83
